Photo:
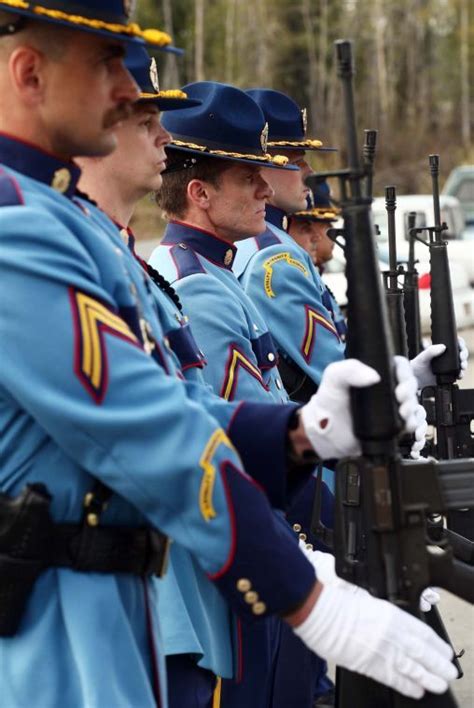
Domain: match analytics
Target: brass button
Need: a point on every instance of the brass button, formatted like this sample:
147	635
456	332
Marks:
92	520
251	597
259	608
309	546
271	356
302	536
243	584
297	528
61	180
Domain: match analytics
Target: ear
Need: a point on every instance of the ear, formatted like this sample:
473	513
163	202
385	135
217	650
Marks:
26	67
198	193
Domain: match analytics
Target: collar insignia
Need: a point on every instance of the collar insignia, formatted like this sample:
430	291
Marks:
284	223
154	75
61	180
228	257
264	137
304	118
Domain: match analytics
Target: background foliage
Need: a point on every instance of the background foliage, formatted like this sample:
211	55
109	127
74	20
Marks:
414	63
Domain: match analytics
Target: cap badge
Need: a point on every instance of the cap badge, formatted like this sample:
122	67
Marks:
304	118
228	257
154	75
61	180
129	7
264	137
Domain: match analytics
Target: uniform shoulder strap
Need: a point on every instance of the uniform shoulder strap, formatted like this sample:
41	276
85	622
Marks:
10	192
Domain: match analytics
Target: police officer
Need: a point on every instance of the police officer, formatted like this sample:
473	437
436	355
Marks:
196	626
309	227
213	194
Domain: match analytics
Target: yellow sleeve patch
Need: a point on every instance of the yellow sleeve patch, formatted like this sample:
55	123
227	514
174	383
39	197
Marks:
206	489
268	268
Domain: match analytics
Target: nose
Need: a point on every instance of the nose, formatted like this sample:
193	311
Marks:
306	170
126	89
163	137
264	190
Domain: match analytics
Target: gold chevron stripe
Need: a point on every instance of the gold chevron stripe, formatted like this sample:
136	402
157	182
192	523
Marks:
238	359
93	315
312	318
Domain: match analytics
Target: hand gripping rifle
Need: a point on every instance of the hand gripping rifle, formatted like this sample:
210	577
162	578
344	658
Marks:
382	501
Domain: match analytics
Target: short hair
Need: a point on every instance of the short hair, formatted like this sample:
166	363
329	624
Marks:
50	39
172	197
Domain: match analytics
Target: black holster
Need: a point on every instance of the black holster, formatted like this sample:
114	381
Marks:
30	543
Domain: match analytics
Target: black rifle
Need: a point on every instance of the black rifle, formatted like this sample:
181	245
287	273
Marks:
449	408
394	295
411	300
393	291
382	501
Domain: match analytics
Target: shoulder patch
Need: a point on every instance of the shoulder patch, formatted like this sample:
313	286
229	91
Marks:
186	260
10	192
269	264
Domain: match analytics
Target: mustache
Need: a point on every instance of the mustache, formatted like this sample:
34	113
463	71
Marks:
116	115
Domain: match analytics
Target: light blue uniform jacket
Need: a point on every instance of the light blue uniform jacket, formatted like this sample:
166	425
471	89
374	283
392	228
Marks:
89	390
240	352
280	279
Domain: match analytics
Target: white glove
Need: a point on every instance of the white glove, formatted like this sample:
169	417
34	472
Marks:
327	416
421	364
428	598
420	433
325	567
463	356
405	393
377	639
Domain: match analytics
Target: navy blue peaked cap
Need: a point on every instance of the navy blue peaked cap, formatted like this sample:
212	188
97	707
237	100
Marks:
145	72
287	122
228	124
319	207
110	18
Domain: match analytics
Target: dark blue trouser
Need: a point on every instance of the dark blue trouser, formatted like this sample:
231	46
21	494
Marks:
189	686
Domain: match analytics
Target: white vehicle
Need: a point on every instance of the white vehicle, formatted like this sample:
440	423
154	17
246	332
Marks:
459	250
463	294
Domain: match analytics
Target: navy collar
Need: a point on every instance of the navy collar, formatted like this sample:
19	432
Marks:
34	162
203	242
277	217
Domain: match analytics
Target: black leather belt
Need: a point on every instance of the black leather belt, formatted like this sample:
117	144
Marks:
107	549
